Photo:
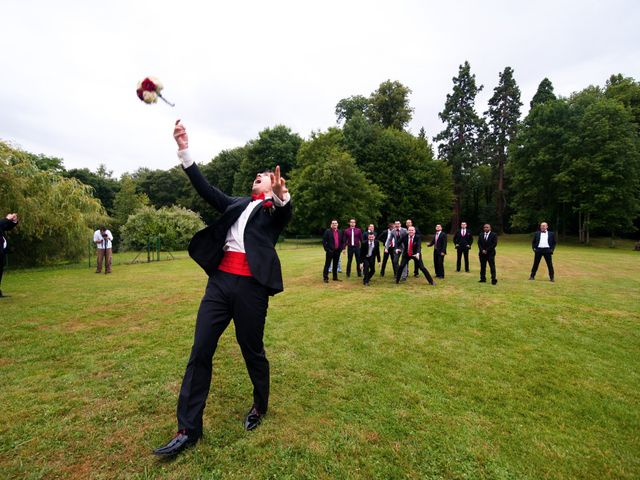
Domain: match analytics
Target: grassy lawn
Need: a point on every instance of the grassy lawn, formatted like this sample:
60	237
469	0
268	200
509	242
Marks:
465	380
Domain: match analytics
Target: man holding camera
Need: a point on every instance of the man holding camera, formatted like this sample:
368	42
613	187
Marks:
103	238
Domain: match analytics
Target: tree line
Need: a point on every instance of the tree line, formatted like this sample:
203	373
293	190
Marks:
571	161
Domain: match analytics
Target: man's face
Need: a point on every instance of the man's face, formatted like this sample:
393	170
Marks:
397	225
334	224
352	223
486	228
438	228
543	227
409	223
371	227
262	183
412	231
464	225
372	237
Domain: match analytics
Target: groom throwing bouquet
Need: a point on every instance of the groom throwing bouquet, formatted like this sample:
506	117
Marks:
238	253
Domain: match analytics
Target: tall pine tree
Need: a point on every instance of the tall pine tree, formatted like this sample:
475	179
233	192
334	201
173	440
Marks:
460	140
503	115
543	94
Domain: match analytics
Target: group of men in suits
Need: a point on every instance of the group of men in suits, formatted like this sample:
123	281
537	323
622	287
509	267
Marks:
402	245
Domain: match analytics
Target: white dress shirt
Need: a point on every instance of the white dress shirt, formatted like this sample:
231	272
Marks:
235	235
544	240
97	236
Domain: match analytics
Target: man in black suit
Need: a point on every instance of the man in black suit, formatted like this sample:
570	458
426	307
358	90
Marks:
410	249
463	241
369	252
543	244
487	242
386	238
6	224
238	253
333	244
439	244
409	223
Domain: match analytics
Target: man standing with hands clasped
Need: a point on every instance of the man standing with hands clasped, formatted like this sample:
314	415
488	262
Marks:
487	242
103	238
544	243
237	253
463	241
439	244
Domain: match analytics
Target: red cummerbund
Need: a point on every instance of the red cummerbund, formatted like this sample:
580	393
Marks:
236	263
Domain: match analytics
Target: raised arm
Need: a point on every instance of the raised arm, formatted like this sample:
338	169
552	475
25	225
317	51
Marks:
212	195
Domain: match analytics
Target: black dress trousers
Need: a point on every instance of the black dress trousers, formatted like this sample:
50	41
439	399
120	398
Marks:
227	297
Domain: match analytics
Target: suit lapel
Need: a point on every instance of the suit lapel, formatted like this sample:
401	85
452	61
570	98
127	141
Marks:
231	214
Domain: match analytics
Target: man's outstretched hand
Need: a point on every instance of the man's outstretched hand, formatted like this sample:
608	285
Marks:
278	184
180	134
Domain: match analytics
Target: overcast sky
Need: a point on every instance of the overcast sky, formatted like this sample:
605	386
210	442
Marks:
70	68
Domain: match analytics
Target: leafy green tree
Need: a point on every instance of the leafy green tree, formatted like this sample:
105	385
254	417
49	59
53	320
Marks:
389	105
328	184
164	187
348	107
58	214
274	146
101	181
543	94
627	91
602	179
174	225
503	117
127	200
461	141
537	155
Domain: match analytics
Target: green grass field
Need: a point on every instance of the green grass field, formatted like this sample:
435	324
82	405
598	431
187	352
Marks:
522	380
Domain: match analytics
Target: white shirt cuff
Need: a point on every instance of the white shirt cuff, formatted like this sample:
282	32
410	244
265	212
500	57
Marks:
283	202
185	158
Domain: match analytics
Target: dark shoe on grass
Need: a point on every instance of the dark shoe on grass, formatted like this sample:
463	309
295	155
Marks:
180	442
253	419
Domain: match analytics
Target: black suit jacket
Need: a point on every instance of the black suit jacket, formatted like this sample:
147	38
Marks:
329	243
5	226
416	247
264	226
441	244
551	239
364	249
463	241
489	245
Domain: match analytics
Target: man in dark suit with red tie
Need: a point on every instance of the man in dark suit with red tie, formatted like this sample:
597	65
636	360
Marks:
332	242
487	242
463	241
410	249
353	239
543	244
369	252
6	224
238	254
439	244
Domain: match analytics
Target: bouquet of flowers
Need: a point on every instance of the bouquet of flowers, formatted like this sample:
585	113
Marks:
149	91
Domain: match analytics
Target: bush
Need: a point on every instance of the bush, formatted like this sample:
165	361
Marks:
174	225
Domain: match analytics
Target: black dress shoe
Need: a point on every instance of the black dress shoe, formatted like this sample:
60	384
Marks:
177	444
532	278
482	281
337	280
253	419
326	280
494	281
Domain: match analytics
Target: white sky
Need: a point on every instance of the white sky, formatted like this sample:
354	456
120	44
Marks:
70	68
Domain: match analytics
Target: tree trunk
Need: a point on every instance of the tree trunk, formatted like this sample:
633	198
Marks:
580	228
587	227
455	216
500	197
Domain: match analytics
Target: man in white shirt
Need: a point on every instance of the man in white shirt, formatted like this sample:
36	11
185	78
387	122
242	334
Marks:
238	253
543	245
103	238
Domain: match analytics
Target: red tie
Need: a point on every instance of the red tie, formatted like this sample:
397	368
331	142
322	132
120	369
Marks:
410	246
257	197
